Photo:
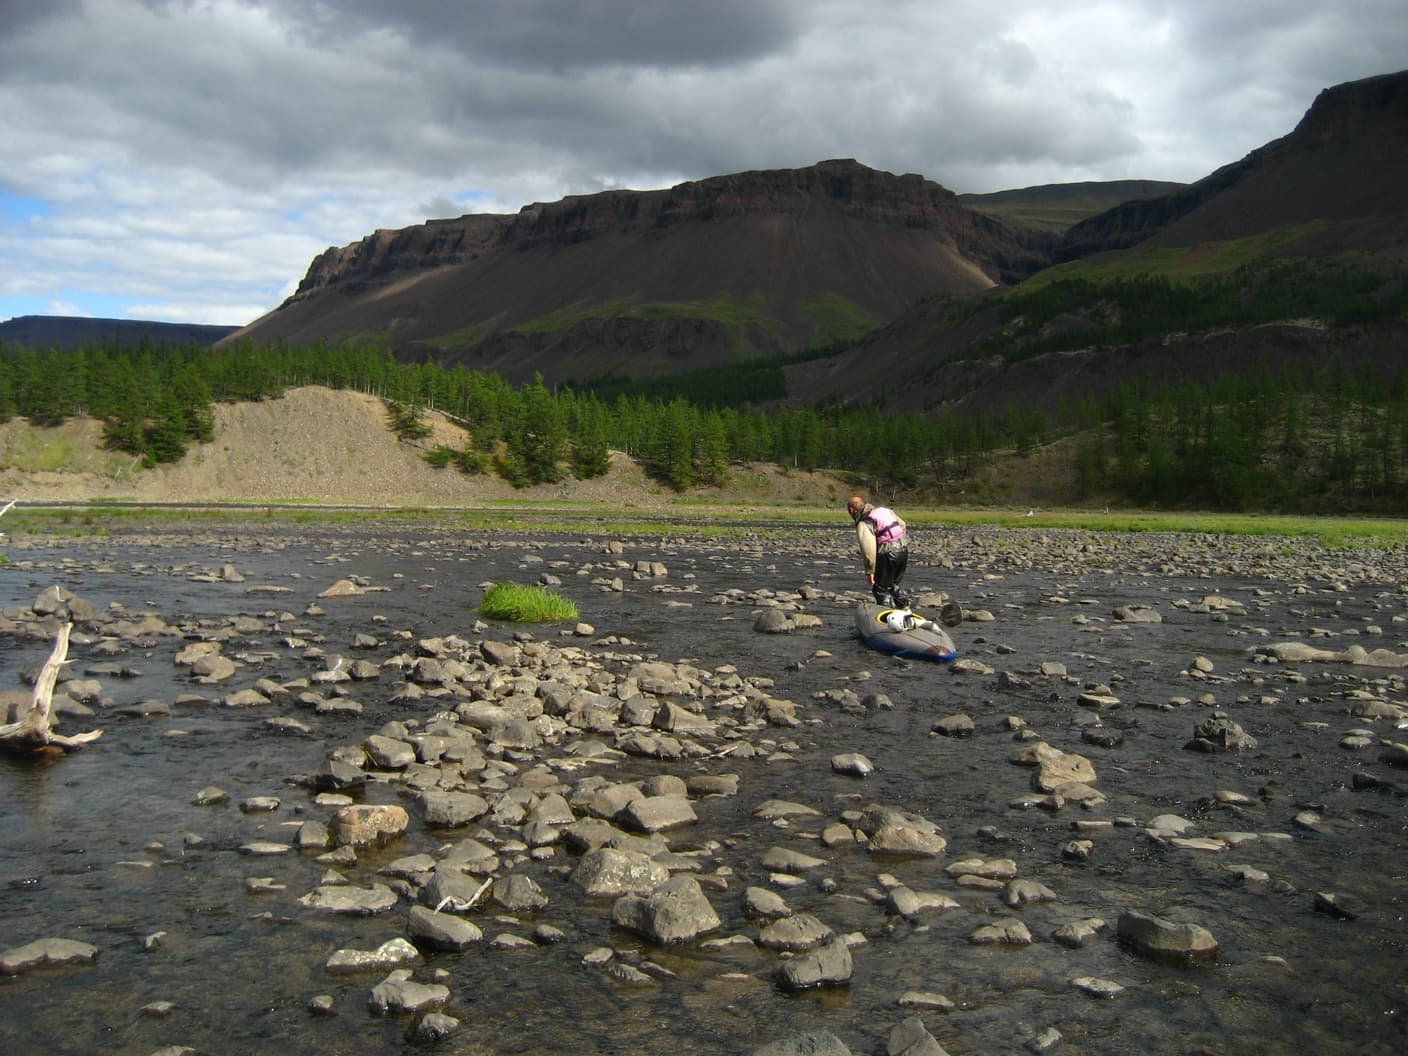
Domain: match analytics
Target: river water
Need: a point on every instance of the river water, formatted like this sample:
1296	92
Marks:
106	845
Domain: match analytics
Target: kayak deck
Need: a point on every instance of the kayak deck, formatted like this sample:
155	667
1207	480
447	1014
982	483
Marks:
917	643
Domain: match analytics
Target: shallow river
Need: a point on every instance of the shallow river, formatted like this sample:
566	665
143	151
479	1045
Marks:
98	845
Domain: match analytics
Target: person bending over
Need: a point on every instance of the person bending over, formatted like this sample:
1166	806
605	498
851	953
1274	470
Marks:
884	547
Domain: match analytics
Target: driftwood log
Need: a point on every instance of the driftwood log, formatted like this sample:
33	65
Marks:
34	730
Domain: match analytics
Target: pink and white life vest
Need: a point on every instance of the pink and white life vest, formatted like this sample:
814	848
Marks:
886	523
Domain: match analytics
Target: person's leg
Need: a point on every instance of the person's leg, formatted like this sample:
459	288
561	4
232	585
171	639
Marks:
899	560
889	568
884	580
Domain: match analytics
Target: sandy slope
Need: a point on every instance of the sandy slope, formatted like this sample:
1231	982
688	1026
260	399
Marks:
320	445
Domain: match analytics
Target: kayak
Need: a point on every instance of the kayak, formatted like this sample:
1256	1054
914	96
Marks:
917	643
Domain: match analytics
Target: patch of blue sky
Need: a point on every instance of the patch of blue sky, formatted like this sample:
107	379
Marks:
65	302
17	209
14	307
98	305
303	212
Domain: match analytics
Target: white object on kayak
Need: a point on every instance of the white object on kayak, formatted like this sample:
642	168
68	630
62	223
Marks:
899	620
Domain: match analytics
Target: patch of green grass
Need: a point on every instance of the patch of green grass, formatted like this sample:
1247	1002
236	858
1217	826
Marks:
52	457
52	451
1042	217
836	319
733	312
464	337
711	519
362	339
1175	263
570	315
522	604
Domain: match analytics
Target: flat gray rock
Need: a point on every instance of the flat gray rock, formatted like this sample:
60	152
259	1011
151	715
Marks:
356	901
46	953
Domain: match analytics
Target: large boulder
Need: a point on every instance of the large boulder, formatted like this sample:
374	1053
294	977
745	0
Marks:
657	813
828	965
795	933
363	824
676	911
612	871
900	832
442	931
1164	940
1220	734
443	809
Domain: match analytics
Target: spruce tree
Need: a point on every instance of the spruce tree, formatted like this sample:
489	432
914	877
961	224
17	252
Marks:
166	436
591	457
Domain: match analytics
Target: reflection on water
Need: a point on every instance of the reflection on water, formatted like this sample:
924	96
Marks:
107	845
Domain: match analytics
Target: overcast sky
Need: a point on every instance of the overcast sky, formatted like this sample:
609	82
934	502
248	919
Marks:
185	160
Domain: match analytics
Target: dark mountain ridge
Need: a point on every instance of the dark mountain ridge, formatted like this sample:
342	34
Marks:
1328	198
66	332
1345	164
647	283
844	186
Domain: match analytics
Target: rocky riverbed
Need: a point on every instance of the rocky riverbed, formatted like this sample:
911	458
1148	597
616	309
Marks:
1159	803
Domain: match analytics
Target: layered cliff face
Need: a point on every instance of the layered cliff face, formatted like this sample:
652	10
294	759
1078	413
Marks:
797	196
382	254
1344	164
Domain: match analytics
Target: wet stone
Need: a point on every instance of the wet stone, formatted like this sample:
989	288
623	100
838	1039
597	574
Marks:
853	764
1077	933
392	954
911	1038
827	965
398	992
675	911
46	953
800	931
1165	940
955	726
1009	932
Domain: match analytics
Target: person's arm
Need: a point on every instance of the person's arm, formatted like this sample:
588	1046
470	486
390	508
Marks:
865	536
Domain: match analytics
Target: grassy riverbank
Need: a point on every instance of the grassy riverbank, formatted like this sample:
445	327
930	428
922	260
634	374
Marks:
700	520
